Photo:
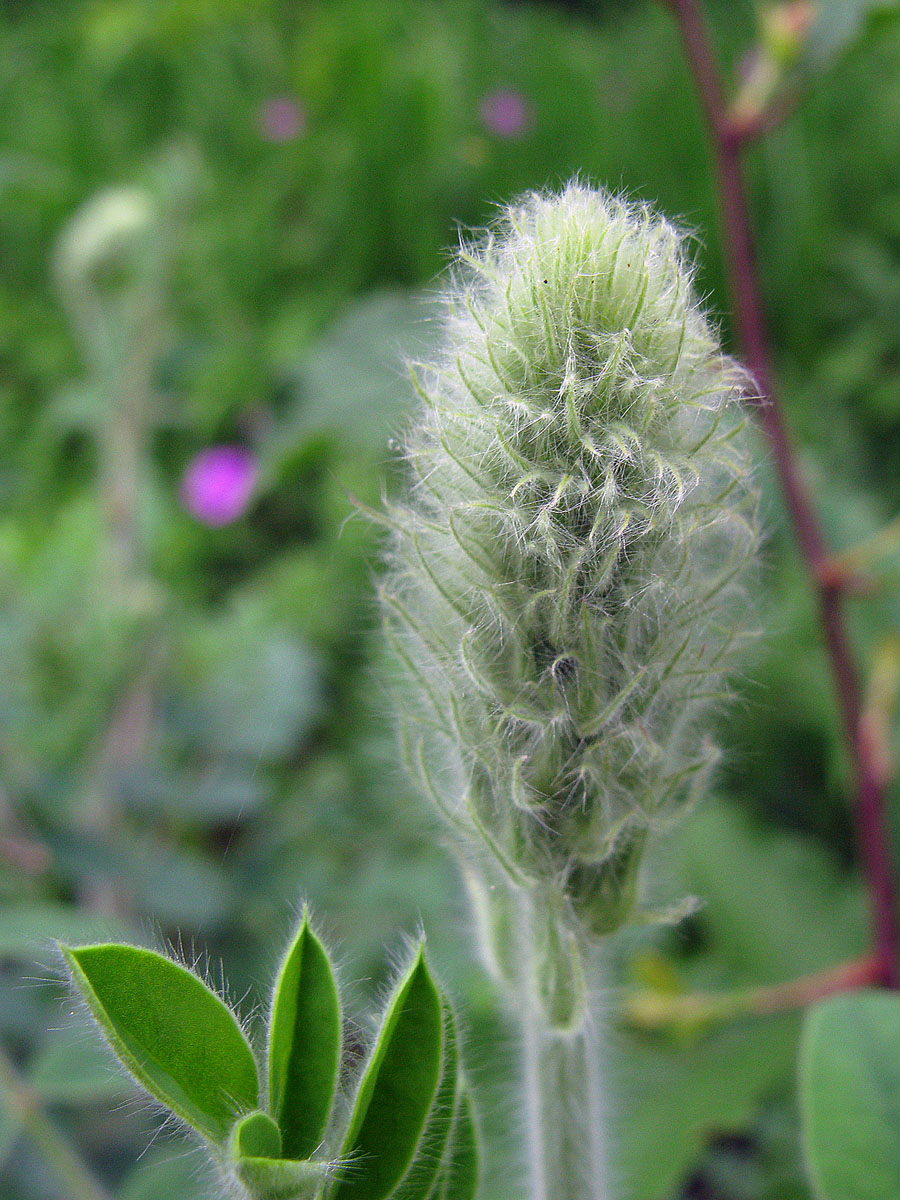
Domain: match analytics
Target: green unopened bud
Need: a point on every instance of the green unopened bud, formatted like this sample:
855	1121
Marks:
497	915
785	28
103	238
564	572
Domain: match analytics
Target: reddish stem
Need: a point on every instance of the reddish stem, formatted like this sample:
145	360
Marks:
800	993
870	808
655	1010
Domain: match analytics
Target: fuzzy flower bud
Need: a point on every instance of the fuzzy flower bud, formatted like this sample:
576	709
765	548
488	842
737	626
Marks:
564	573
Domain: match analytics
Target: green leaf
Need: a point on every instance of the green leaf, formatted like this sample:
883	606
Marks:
10	1128
397	1089
347	383
160	1176
304	1044
673	1097
677	1094
26	929
260	692
282	1178
75	1070
231	795
839	24
850	1096
816	912
461	1171
172	884
419	1180
171	1031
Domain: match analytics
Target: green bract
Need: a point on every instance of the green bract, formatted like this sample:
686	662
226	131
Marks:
405	1133
564	572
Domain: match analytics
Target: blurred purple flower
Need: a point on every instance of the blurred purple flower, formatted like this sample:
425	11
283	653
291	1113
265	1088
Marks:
506	113
282	119
218	484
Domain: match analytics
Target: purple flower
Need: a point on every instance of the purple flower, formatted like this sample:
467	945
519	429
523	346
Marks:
218	484
506	113
282	119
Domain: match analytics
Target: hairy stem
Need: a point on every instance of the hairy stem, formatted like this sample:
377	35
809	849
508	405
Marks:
562	1085
870	786
25	1106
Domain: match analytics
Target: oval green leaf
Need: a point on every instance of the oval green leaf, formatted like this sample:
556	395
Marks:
397	1089
850	1096
281	1178
304	1044
172	1032
419	1180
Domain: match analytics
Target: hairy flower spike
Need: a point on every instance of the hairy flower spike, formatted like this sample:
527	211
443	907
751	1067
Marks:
564	572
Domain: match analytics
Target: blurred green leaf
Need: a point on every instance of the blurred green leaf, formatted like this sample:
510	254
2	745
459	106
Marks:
397	1090
171	1031
220	794
841	23
850	1096
77	407
177	886
170	883
10	1127
353	383
254	693
29	930
74	1069
775	906
163	1174
672	1099
304	1044
778	905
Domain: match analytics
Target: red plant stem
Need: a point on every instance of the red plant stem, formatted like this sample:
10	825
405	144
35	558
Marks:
870	785
654	1010
800	993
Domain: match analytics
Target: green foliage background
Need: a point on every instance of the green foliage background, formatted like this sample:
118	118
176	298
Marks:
188	754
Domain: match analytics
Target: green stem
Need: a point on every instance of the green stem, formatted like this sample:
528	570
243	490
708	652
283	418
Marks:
25	1106
561	1072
